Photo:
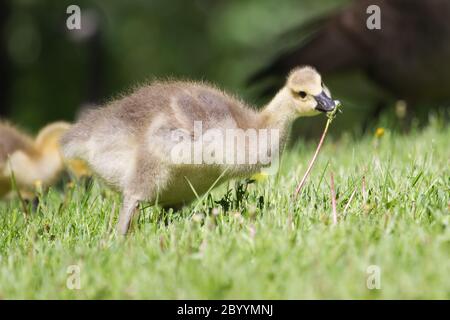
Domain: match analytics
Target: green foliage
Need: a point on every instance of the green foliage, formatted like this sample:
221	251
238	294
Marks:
269	248
55	72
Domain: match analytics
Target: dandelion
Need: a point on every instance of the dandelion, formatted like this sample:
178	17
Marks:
198	217
38	185
215	212
379	132
260	176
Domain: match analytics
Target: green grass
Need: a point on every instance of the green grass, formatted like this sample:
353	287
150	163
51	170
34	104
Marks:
266	245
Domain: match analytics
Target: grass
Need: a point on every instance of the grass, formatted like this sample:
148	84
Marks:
253	240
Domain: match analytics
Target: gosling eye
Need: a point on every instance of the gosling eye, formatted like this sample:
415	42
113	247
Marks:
302	94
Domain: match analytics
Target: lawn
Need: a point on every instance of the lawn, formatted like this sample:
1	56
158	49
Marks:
252	240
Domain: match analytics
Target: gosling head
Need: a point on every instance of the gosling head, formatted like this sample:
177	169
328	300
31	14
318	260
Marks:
307	92
48	143
48	138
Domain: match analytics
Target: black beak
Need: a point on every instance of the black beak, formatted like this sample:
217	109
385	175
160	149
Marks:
324	102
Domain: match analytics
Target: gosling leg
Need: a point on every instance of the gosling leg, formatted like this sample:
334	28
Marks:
129	207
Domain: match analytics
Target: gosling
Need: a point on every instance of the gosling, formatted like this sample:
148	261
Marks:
130	142
30	161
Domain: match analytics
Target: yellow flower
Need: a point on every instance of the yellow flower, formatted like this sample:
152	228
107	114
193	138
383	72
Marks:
38	184
261	176
379	132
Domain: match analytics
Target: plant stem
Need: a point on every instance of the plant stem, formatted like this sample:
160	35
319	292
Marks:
348	203
333	199
311	164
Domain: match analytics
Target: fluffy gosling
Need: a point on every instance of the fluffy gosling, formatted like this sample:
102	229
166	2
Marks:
33	161
129	143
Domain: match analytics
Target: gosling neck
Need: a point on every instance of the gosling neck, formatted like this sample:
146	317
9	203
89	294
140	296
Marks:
279	113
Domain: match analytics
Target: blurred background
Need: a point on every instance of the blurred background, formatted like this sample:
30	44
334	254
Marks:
48	72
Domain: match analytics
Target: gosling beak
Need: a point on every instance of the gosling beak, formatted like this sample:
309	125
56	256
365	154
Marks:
324	102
